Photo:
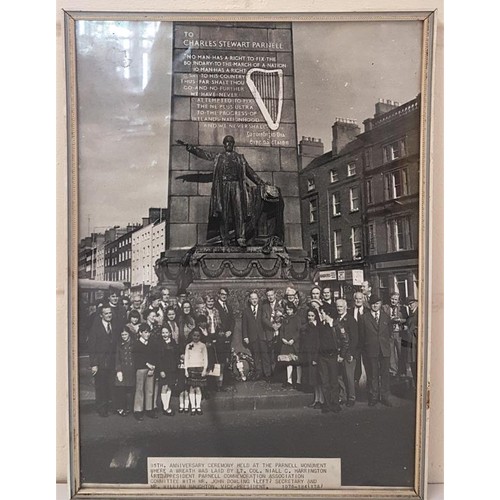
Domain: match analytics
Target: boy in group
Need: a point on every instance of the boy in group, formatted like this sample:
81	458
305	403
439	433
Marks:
144	354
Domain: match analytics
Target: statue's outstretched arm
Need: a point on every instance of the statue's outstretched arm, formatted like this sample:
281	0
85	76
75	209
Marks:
200	153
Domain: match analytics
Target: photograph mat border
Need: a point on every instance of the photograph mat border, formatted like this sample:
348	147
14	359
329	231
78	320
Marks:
425	233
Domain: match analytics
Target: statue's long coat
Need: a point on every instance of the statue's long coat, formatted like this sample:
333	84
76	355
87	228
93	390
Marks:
244	170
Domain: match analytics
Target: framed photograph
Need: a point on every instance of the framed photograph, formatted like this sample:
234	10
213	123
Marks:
249	214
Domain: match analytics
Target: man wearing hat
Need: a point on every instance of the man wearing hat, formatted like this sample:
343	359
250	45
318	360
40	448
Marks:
375	333
409	338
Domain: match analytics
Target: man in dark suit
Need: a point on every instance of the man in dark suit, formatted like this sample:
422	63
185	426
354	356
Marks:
357	311
227	323
348	366
102	347
333	347
398	314
271	322
119	312
375	333
254	336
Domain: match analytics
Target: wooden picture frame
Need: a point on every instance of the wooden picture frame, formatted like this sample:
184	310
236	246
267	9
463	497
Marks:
71	106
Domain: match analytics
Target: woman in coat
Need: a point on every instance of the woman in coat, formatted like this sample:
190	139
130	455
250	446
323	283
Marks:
125	374
187	324
309	353
290	344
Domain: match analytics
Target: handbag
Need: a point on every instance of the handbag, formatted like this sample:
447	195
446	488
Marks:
215	371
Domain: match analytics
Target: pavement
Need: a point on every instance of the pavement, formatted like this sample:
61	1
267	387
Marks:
375	445
255	419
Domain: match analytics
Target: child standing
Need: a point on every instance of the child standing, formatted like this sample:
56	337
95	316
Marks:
125	374
144	363
167	366
290	348
195	365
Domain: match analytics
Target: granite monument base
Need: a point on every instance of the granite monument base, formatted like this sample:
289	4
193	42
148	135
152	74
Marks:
210	267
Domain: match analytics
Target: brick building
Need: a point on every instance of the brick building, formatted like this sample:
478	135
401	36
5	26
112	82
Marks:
87	255
147	245
359	202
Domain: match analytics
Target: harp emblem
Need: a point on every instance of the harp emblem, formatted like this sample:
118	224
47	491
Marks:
266	86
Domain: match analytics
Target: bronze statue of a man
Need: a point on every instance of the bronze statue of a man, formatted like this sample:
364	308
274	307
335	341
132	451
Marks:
228	200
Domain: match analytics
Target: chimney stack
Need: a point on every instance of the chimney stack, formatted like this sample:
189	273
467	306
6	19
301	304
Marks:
382	106
344	131
309	148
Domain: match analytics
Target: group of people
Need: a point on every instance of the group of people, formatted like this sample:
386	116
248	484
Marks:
145	350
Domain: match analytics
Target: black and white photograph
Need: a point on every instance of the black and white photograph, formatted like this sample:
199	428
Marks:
250	252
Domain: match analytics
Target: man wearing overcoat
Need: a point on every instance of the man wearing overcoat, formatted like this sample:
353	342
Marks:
271	323
228	198
102	350
375	334
333	348
254	336
348	366
225	335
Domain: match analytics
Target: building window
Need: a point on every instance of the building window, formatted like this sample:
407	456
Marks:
337	244
336	204
310	184
399	234
313	210
356	242
334	175
401	285
367	157
394	150
351	169
314	248
396	184
369	192
372	239
354	199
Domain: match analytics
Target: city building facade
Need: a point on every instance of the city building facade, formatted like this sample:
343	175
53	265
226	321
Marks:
359	202
147	245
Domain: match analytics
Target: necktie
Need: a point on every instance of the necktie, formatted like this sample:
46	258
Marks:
376	317
108	328
254	311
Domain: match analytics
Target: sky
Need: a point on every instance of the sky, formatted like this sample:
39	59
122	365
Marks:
341	70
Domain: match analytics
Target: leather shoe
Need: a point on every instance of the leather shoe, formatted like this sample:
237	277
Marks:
199	411
138	416
336	409
151	414
350	403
